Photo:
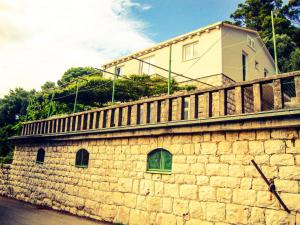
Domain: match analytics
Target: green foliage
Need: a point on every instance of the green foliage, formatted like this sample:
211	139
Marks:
256	14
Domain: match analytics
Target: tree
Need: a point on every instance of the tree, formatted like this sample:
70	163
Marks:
75	72
255	14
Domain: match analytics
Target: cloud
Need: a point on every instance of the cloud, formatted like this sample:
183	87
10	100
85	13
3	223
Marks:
39	40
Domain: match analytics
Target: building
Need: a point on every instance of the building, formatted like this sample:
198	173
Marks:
211	54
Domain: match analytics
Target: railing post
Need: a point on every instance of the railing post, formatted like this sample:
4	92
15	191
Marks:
144	113
257	97
53	122
49	122
117	116
297	88
278	103
192	109
66	123
154	112
125	116
207	107
179	108
56	130
133	114
95	120
23	129
222	102
101	119
168	109
88	121
76	122
238	96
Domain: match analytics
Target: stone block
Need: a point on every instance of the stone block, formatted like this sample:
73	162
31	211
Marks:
167	205
236	171
244	197
247	135
292	201
202	180
207	193
171	190
224	195
240	147
122	215
153	204
196	209
289	172
138	217
230	182
165	219
256	147
180	207
282	160
130	200
146	187
275	217
180	168
197	222
215	211
237	214
125	184
224	147
188	191
287	133
274	146
208	148
216	169
197	168
263	134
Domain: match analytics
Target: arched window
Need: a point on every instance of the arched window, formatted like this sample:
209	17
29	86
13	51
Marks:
159	160
82	158
40	157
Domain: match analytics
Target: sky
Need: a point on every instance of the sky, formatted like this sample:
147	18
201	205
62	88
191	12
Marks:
39	40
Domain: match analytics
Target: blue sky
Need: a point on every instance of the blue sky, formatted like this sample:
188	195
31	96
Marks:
168	18
40	40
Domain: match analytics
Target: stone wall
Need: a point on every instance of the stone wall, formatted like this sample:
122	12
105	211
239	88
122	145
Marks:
212	179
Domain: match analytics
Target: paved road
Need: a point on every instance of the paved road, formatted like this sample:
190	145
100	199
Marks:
13	212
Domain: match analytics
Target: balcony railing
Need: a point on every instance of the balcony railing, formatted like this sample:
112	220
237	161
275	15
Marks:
267	94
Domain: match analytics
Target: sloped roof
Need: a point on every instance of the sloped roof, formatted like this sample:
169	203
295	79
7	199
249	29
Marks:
182	37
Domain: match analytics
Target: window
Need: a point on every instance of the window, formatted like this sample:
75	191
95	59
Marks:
145	68
251	42
159	160
119	70
256	65
190	51
40	157
244	63
82	158
186	103
266	72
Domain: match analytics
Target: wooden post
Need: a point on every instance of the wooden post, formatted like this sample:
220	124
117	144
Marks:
56	130
278	103
257	97
53	122
125	116
238	96
168	109
88	121
117	114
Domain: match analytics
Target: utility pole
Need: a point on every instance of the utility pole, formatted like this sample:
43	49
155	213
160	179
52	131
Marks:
50	107
170	67
274	42
75	102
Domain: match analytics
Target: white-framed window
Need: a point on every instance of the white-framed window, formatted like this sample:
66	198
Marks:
250	42
145	67
190	51
119	70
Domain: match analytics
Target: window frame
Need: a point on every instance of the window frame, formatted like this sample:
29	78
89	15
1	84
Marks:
161	168
192	44
150	69
81	165
40	151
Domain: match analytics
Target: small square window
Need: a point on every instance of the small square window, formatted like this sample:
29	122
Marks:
190	51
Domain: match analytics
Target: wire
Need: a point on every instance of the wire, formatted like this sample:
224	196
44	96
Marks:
177	74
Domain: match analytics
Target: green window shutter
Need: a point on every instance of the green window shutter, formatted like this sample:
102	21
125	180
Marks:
159	160
154	160
167	160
